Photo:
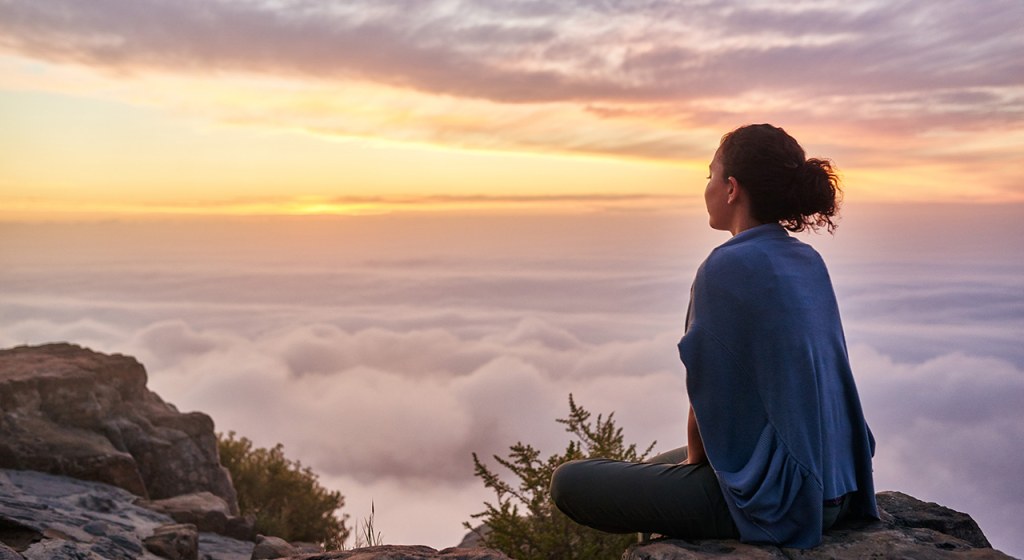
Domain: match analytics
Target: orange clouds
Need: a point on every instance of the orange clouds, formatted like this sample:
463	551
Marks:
310	100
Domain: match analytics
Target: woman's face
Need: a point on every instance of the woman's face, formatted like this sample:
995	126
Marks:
716	196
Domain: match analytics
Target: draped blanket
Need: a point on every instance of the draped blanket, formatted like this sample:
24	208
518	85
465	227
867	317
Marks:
769	379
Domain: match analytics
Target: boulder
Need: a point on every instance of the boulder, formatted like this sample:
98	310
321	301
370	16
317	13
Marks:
70	411
241	528
206	511
909	528
178	541
272	547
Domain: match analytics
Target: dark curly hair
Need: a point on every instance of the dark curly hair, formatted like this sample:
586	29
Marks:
783	185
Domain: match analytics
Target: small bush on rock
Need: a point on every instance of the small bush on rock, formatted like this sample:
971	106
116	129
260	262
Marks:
524	523
285	498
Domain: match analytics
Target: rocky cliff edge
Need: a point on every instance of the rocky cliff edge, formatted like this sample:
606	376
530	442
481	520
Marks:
70	411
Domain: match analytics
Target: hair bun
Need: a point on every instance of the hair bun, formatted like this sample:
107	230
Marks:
784	185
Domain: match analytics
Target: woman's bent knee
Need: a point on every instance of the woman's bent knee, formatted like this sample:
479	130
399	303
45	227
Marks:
565	484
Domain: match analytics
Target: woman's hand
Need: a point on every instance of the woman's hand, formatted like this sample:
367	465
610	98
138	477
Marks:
695	445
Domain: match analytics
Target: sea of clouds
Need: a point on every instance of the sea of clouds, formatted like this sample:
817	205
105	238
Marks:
384	350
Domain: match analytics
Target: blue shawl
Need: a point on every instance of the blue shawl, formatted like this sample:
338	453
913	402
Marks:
769	379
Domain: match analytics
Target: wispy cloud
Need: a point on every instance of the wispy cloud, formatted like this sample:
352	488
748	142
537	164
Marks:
530	52
608	77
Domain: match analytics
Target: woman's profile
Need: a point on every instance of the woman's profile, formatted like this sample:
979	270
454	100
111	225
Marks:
778	449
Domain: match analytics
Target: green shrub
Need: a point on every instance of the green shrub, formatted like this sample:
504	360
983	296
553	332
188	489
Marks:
524	523
285	498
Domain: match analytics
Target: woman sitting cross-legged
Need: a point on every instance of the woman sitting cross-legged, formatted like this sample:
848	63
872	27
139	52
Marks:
778	448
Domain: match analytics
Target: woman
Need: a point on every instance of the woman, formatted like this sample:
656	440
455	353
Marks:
778	448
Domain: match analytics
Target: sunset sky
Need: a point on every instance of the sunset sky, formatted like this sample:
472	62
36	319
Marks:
296	107
391	233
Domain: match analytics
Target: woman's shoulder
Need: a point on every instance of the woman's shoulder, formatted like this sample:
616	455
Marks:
757	266
758	248
740	257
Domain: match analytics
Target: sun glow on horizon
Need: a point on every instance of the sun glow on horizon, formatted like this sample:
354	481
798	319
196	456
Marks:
88	135
40	210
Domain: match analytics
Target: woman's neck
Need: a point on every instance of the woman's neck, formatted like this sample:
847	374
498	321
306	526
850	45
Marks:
743	222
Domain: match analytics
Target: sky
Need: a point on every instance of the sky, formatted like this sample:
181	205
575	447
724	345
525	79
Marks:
299	106
389	234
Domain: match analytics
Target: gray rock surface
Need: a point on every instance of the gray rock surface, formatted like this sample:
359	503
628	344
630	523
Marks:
393	552
58	517
7	553
907	511
50	517
70	411
219	547
909	528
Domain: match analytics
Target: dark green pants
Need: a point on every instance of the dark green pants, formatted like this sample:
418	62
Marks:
657	496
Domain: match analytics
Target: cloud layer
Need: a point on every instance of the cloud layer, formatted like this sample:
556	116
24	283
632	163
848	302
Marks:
383	363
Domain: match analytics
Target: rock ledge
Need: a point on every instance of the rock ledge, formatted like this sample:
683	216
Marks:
909	528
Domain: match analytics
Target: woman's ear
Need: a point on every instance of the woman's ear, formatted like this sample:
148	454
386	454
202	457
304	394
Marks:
733	190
